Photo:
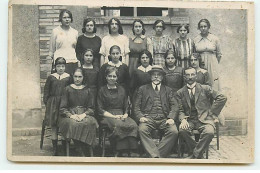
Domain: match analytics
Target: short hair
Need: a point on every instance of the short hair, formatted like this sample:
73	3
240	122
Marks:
60	60
62	13
185	26
120	29
204	20
148	53
110	51
168	52
159	21
110	69
198	57
87	21
189	68
142	23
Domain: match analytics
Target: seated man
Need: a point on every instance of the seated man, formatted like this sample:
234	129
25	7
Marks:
156	108
198	112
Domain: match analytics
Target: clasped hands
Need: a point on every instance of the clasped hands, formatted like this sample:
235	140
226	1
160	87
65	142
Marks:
169	121
121	117
78	117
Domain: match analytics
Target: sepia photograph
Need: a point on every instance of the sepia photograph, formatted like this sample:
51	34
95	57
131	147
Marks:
131	81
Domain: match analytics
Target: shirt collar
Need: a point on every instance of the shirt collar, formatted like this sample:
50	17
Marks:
57	76
148	68
111	87
134	37
115	65
77	87
192	86
208	37
90	67
159	86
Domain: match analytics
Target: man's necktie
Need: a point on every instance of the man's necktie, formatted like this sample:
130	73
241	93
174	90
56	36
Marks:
191	93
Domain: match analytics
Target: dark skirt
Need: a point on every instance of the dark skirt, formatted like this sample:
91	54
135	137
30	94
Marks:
84	131
133	64
52	111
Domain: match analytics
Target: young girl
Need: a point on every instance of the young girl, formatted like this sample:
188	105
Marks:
90	73
115	59
53	89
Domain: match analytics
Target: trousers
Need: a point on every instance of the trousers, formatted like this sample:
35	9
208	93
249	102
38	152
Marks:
168	140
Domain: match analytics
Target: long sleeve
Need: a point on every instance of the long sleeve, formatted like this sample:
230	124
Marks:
46	93
181	114
137	104
103	47
206	79
218	50
101	76
52	47
174	107
100	104
64	105
79	50
90	105
150	46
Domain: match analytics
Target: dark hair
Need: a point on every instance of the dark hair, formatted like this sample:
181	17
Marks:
188	68
198	57
159	21
142	23
60	60
185	26
87	21
120	29
65	11
170	51
110	69
204	20
146	52
88	50
81	70
110	50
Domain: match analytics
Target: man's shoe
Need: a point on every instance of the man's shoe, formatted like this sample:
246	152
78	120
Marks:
190	157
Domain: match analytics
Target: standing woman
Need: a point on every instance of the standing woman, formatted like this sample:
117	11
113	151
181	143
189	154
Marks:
76	112
202	74
161	43
115	60
115	37
184	46
63	42
208	46
113	109
138	43
174	74
89	40
53	89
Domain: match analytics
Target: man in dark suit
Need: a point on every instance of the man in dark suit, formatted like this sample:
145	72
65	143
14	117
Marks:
199	107
156	108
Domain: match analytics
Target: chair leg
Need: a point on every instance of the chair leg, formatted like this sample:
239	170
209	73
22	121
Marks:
67	148
207	152
91	151
103	142
42	134
179	148
217	131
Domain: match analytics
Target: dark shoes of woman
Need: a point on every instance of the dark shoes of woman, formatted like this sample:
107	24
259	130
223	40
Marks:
55	148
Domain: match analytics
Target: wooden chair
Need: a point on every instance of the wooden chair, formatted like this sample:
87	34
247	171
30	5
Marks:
196	134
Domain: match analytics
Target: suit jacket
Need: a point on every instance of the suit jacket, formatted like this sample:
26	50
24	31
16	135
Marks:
208	103
144	101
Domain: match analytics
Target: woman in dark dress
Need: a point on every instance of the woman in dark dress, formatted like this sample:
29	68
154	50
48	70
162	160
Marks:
90	73
115	61
53	89
202	74
113	108
174	74
140	75
89	40
76	114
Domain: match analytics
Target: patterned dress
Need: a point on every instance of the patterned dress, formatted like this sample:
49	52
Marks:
209	49
160	46
78	101
183	50
53	89
174	78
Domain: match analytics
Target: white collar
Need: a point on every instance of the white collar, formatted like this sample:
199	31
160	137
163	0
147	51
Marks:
90	67
77	87
112	87
57	76
159	86
192	86
115	65
172	68
148	68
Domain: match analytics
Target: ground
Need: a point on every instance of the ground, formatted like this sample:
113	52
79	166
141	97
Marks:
231	148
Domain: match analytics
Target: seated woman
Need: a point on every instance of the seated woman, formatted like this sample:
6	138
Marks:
76	112
202	74
113	108
174	74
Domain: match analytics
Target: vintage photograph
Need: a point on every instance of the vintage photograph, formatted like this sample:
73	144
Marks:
131	82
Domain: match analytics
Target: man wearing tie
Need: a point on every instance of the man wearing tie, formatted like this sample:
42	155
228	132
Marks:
199	107
156	108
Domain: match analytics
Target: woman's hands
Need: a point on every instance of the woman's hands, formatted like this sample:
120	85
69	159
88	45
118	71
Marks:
77	117
121	117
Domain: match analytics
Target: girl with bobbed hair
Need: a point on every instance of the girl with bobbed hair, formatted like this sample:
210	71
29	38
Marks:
63	42
113	111
89	40
53	88
208	46
184	46
138	43
161	43
115	37
174	74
